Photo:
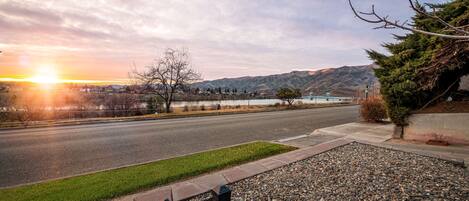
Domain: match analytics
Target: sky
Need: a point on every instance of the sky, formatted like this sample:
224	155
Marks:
104	40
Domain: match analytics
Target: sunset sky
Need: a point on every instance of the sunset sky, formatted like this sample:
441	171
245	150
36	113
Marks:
102	40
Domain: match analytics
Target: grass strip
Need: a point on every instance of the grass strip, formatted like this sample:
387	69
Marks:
113	183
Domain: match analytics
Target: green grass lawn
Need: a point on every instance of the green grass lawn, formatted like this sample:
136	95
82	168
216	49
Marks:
113	183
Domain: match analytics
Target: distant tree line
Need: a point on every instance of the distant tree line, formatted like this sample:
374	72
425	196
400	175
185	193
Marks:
35	106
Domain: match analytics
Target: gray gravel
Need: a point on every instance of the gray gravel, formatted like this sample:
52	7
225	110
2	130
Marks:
358	172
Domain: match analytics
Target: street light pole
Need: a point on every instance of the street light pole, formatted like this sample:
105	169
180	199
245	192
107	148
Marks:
366	92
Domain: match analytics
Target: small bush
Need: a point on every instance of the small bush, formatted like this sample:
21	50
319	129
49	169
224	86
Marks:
215	107
373	110
186	108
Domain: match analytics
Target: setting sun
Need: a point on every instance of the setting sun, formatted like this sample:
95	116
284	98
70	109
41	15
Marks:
45	75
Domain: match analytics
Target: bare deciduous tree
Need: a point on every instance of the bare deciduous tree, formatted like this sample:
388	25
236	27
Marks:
384	22
168	74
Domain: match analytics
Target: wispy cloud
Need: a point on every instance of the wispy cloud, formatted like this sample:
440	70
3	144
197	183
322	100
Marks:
101	39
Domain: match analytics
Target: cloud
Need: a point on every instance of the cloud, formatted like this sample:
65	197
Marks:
100	39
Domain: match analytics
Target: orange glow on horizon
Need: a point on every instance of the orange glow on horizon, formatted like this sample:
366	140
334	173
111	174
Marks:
42	80
45	75
48	75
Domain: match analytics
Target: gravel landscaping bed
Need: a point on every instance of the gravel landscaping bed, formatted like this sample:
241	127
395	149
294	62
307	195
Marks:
357	172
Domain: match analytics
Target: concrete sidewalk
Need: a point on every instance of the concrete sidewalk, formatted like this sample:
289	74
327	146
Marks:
371	132
375	133
380	135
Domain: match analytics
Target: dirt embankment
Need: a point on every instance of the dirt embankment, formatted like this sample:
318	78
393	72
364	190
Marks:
448	107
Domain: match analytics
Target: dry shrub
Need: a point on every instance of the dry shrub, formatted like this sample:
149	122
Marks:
186	108
215	107
373	110
194	108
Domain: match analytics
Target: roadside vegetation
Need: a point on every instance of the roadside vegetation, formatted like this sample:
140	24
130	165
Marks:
113	183
426	65
64	102
186	111
373	109
289	95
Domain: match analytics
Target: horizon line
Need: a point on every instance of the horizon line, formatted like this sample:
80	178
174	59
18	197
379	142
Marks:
65	81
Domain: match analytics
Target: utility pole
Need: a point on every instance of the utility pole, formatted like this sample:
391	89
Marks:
366	92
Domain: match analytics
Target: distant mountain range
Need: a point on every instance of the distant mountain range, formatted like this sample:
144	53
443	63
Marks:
342	81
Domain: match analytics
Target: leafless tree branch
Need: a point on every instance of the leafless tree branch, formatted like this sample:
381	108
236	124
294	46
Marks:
439	96
385	23
168	74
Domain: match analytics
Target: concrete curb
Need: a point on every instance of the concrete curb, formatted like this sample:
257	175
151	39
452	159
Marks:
187	189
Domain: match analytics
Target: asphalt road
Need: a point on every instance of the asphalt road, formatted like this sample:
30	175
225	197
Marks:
32	155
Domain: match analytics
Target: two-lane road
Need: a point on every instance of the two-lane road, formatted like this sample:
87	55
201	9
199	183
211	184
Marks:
31	155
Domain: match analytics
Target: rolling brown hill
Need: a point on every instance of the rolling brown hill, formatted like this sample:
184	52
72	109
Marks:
342	81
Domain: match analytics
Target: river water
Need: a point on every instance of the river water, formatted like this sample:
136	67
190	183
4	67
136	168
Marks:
304	100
